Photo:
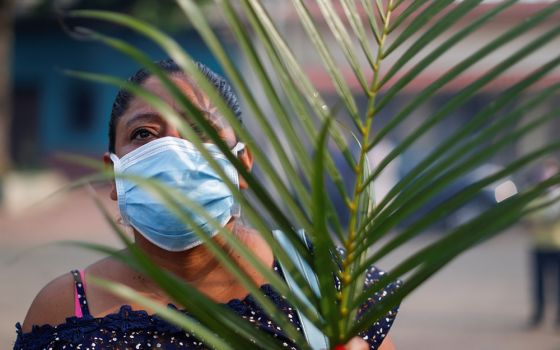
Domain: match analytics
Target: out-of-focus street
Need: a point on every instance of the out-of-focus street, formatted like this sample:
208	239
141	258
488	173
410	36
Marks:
32	252
480	301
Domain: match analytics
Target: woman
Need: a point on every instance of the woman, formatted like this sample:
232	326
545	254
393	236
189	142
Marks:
69	312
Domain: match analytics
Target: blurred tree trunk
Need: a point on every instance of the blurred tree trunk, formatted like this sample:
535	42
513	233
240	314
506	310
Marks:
6	17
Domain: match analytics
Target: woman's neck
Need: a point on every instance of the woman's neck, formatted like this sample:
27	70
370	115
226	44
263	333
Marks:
201	269
192	265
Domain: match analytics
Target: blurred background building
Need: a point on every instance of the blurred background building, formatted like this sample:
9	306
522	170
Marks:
50	112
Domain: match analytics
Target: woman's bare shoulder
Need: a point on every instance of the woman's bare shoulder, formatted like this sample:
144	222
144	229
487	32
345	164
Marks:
53	304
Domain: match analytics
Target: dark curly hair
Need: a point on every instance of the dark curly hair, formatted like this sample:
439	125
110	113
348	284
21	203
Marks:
123	98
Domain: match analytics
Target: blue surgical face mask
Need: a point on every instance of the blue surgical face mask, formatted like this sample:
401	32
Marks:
178	164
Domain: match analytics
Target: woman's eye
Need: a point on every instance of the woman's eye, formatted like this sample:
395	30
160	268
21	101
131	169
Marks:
142	134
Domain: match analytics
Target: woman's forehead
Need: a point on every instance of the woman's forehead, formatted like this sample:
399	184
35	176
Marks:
154	85
138	106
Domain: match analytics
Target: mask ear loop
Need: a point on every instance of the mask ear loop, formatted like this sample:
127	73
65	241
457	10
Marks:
240	146
236	208
116	167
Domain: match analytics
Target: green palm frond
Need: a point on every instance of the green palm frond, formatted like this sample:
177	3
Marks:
350	41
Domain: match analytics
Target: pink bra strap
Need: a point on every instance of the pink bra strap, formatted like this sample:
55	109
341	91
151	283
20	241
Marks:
81	308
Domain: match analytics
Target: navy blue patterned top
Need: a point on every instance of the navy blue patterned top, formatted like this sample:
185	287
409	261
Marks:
136	329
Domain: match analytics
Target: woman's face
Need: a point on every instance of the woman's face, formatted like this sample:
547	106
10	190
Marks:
141	123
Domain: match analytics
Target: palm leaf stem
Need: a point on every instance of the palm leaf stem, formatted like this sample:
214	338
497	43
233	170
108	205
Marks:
350	261
366	206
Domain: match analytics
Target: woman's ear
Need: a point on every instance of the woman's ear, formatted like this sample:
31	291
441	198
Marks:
109	165
246	157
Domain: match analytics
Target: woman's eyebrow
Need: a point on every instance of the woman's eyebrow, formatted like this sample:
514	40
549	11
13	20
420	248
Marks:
143	117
